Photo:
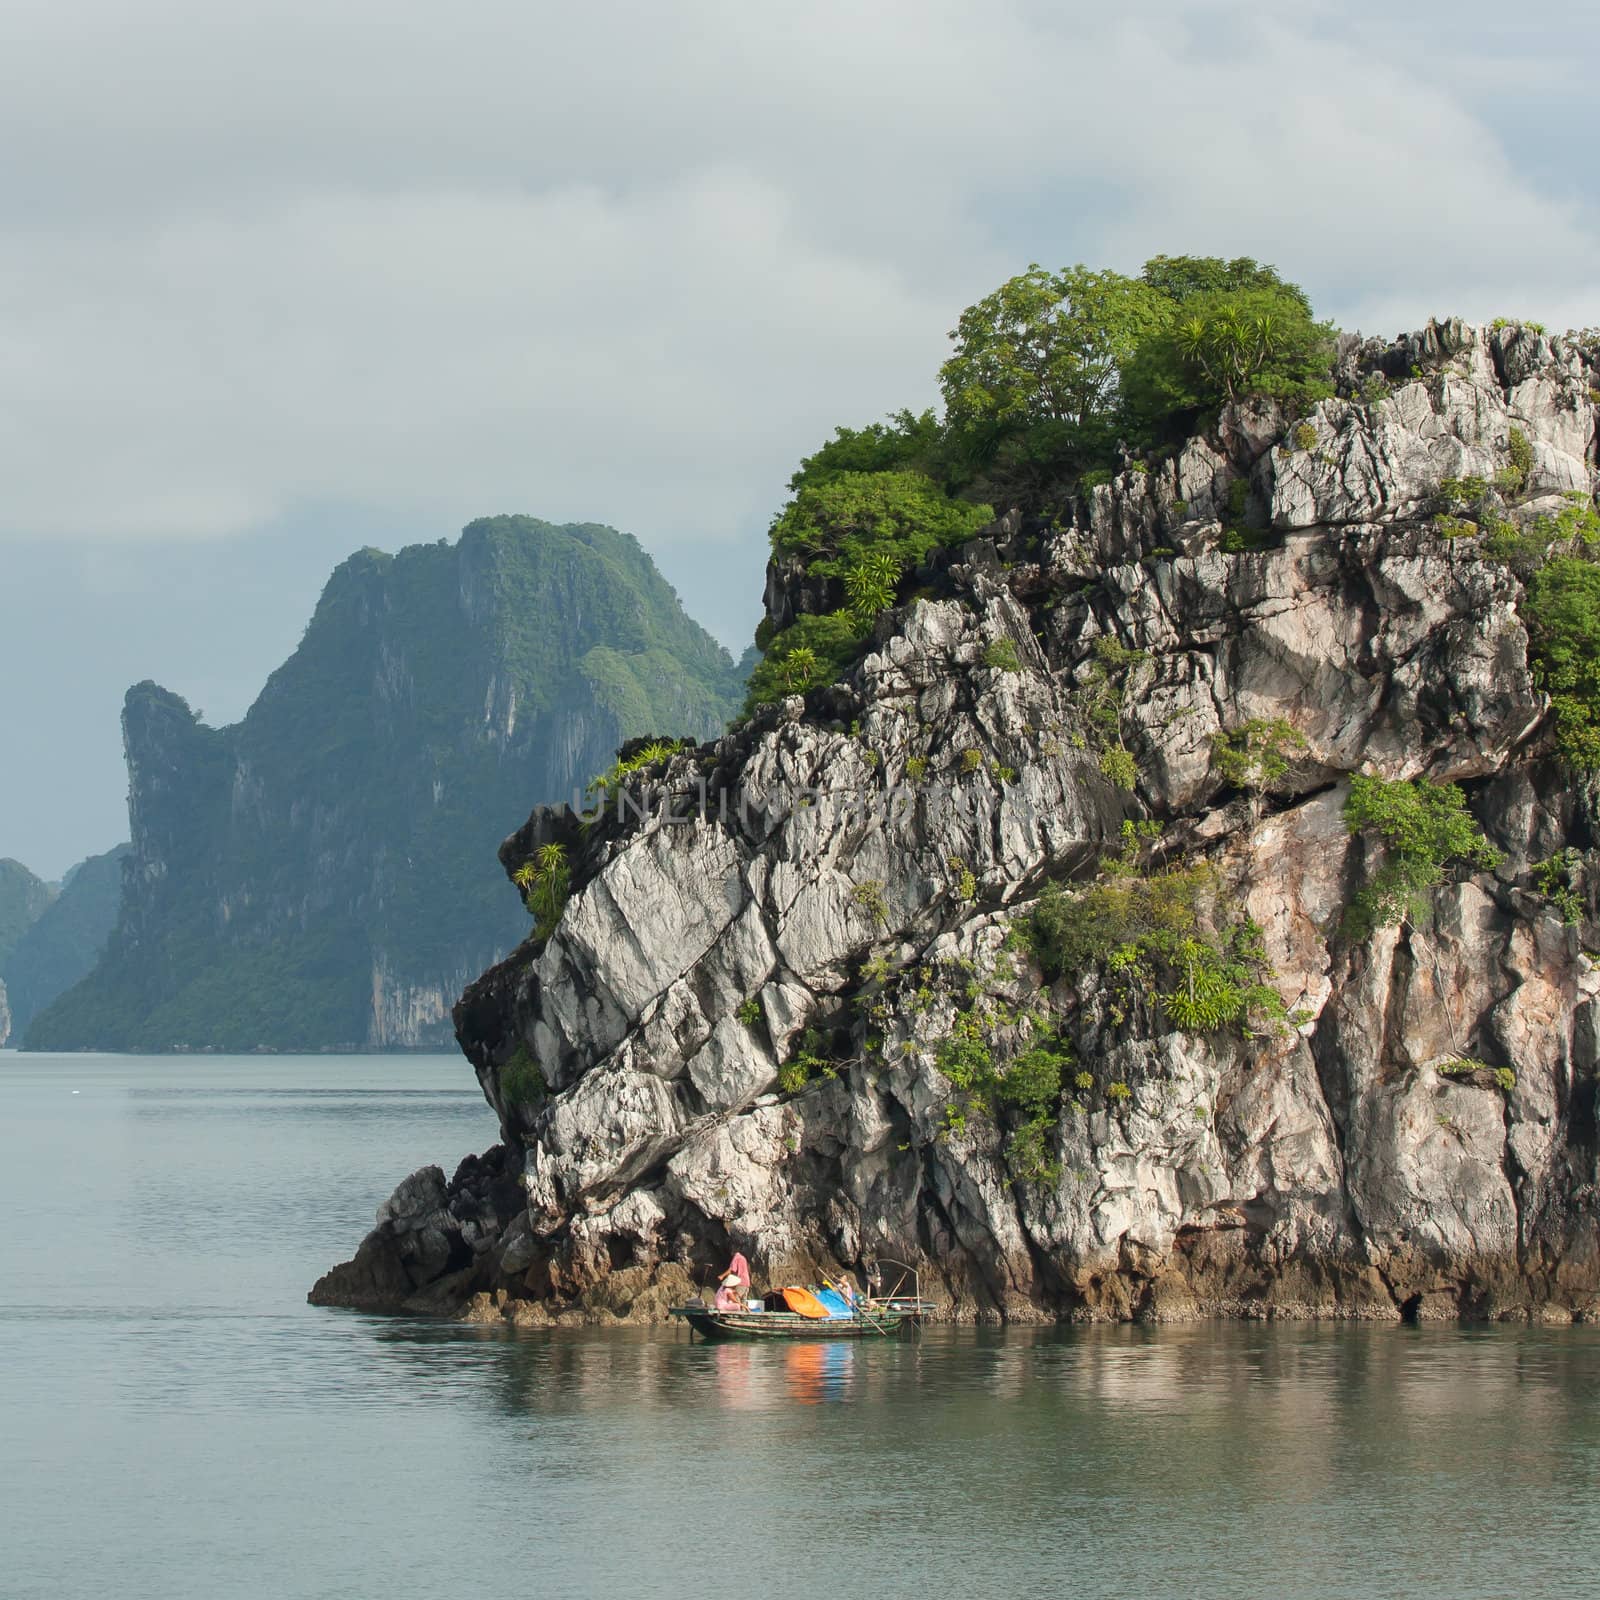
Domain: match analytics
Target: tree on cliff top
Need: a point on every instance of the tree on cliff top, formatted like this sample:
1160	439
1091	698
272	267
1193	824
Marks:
1221	346
1051	367
1041	358
1051	372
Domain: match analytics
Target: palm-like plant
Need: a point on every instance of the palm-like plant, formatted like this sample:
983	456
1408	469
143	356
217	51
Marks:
543	881
870	583
1229	348
799	667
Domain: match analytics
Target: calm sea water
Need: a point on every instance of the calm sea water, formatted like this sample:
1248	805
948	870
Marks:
176	1421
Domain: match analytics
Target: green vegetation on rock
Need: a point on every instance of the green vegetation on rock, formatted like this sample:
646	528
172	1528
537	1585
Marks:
1422	828
1038	362
901	515
1563	614
1257	755
1049	372
522	1083
1555	556
814	651
544	882
808	1062
1170	933
1558	879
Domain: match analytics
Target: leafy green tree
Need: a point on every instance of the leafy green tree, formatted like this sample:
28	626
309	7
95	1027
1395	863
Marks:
1182	278
1044	353
902	515
1257	755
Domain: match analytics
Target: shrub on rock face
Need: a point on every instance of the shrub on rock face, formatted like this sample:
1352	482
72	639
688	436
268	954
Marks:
809	1062
815	650
1118	765
1167	933
1257	755
521	1081
1423	828
1558	879
1029	1089
907	442
870	581
1563	609
1520	451
544	881
647	755
1002	654
865	529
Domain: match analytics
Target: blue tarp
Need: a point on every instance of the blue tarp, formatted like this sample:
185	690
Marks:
834	1301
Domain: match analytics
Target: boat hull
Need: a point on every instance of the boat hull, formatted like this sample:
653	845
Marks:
710	1324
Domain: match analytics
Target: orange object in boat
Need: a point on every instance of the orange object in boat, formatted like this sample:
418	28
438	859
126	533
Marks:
804	1303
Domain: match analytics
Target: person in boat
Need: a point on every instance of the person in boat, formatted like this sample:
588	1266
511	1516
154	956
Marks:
734	1289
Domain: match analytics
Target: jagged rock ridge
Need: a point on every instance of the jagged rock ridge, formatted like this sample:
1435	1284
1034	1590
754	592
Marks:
321	876
1326	1167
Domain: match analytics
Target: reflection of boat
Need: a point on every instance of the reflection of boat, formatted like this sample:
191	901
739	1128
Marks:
818	1313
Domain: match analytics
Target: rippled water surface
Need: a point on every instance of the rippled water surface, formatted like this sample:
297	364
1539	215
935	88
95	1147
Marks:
176	1421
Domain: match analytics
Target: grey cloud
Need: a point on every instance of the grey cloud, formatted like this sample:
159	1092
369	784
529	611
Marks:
628	260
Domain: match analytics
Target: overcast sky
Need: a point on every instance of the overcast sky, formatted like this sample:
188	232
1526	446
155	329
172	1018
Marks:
281	279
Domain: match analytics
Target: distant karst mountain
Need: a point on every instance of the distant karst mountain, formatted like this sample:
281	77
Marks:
64	941
23	900
322	875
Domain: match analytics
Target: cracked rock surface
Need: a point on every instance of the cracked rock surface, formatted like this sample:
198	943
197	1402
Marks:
837	879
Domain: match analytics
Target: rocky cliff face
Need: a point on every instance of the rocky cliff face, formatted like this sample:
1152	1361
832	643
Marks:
754	1029
321	875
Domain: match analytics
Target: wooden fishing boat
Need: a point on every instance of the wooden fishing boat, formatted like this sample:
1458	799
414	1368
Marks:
867	1322
797	1313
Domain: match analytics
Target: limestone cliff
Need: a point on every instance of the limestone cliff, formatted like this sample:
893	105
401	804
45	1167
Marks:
321	875
754	1027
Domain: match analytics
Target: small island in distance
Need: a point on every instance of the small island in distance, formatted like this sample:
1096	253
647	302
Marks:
322	875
